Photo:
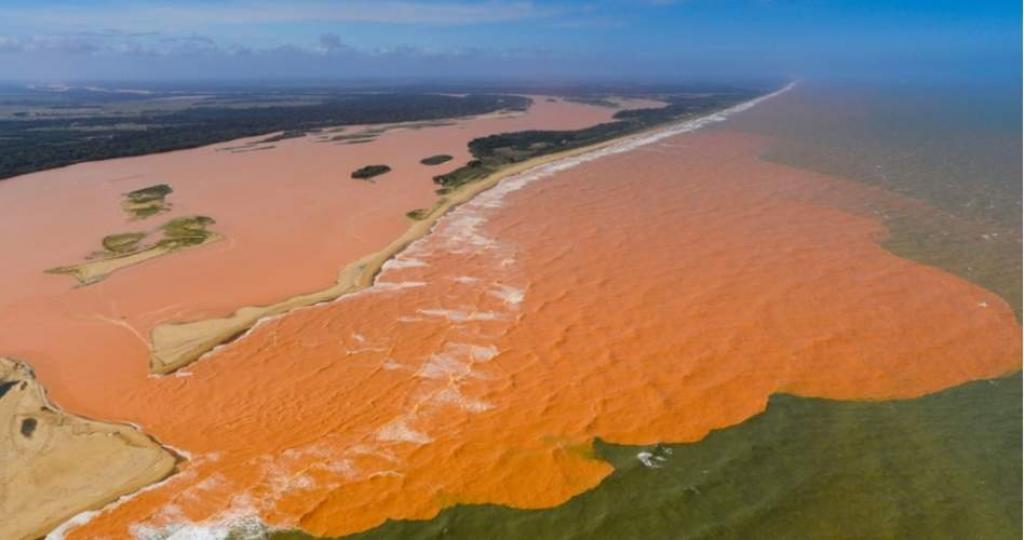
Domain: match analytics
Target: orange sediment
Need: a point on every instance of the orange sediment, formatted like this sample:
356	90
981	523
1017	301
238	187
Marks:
290	216
647	296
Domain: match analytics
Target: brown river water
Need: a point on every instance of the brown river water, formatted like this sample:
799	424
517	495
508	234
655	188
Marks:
649	295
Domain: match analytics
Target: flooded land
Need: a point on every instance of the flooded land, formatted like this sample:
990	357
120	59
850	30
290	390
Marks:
718	325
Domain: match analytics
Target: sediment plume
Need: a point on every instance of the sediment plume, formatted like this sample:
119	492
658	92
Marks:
652	295
176	344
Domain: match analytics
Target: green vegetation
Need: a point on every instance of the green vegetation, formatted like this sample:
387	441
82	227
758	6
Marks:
185	231
91	126
417	214
175	234
149	194
370	171
806	468
495	151
436	159
474	170
354	138
147	201
125	249
123	243
597	101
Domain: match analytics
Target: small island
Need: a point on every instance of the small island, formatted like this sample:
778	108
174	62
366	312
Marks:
370	171
125	249
436	159
148	201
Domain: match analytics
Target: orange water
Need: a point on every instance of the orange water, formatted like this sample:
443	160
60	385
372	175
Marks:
648	296
291	217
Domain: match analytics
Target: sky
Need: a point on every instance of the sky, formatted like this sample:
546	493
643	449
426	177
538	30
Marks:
552	41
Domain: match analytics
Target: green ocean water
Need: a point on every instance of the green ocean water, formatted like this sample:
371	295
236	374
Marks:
935	467
946	465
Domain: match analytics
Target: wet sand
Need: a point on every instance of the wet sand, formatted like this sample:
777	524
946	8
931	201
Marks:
649	296
290	216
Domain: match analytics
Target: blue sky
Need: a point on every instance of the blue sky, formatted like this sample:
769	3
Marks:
551	40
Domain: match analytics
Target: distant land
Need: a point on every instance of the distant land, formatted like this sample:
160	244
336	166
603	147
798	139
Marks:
42	127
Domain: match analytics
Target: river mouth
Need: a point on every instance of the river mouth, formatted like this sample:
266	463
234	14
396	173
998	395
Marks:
648	296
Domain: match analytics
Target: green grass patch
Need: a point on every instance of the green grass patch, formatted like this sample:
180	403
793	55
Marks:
474	170
149	194
148	201
123	243
185	231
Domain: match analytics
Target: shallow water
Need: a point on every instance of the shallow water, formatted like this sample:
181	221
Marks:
291	218
649	296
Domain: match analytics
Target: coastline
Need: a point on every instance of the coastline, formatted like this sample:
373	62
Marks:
176	345
261	364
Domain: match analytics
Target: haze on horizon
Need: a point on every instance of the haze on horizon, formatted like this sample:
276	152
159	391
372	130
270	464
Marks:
563	40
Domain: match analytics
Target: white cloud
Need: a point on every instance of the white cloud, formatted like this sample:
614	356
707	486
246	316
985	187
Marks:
183	16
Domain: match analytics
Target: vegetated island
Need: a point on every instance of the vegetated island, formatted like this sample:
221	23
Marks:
148	201
370	171
436	159
125	249
57	465
175	345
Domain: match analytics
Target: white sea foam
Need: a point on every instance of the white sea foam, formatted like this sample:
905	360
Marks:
399	431
444	366
397	285
457	315
399	262
482	353
508	294
452	396
461	229
650	460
